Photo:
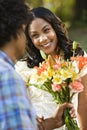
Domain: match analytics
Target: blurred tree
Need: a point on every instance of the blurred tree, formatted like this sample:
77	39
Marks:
80	11
62	8
35	3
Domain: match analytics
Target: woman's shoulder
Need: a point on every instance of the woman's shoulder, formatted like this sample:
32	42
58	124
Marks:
21	65
85	53
22	68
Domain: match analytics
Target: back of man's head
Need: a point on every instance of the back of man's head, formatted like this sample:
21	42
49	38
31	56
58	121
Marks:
13	14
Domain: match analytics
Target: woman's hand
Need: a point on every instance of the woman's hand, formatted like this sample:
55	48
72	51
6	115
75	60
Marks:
59	113
56	120
40	123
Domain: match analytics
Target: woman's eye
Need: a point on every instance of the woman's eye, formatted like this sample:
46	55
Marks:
34	35
46	30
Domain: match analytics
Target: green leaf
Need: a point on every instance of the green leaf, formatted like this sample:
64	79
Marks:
74	45
43	54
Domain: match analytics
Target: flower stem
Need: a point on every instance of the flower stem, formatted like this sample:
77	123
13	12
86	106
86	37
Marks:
70	123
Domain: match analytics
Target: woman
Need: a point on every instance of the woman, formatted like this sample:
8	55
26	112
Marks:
47	32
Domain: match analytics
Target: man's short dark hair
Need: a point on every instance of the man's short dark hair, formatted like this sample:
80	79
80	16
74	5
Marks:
13	14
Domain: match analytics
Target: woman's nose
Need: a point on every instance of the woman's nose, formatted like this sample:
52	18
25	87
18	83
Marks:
43	38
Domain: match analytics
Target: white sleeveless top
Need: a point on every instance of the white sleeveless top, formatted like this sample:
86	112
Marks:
42	100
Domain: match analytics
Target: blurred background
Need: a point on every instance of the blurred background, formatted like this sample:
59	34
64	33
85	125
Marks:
72	12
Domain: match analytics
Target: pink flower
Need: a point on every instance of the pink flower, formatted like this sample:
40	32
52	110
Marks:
56	87
76	86
56	66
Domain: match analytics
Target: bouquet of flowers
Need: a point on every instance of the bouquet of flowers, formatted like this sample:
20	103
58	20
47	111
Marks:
61	79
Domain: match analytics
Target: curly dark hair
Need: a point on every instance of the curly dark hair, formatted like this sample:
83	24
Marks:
13	14
33	57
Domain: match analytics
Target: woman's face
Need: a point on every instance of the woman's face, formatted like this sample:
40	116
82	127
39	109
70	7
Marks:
43	36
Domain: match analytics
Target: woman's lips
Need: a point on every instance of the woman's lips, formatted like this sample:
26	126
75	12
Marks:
46	45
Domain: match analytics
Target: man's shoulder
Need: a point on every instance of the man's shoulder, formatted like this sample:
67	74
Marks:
4	66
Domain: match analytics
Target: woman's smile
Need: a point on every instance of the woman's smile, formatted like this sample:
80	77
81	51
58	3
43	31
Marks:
46	45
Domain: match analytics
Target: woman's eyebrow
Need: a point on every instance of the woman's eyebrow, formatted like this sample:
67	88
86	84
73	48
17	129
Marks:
34	31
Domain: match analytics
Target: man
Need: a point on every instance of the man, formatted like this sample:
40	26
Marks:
16	111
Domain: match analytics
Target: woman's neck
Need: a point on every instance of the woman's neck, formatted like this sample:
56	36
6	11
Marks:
56	52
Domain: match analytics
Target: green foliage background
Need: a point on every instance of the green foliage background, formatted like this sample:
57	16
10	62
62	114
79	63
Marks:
62	8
